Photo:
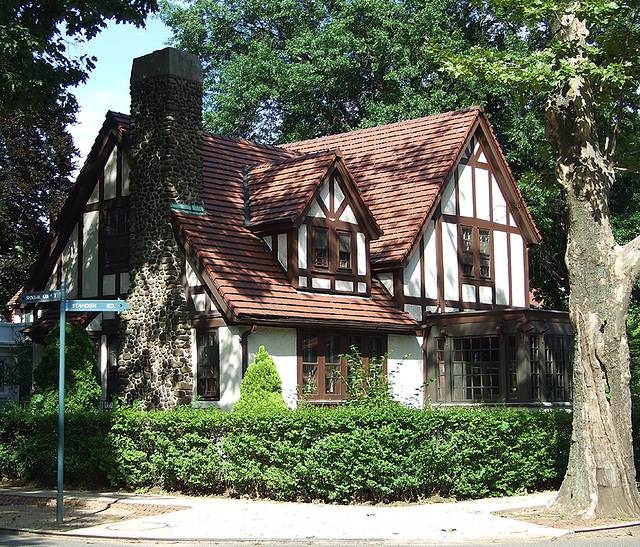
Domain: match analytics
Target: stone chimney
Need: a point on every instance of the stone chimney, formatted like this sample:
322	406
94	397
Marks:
165	170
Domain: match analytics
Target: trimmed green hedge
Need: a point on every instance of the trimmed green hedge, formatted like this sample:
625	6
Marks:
340	455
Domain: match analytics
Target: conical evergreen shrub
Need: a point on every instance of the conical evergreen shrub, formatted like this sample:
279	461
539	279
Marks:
261	387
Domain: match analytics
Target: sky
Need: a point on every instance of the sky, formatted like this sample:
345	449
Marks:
108	85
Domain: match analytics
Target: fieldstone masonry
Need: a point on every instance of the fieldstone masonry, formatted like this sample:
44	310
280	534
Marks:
155	367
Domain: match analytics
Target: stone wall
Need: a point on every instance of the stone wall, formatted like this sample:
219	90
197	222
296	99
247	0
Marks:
166	168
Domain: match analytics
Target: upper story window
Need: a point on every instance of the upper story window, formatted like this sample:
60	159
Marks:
116	241
320	247
475	245
344	252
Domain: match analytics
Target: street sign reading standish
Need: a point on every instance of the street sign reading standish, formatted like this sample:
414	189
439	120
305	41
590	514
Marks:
39	296
97	305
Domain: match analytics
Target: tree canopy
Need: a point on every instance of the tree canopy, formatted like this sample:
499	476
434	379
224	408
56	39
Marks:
37	60
279	71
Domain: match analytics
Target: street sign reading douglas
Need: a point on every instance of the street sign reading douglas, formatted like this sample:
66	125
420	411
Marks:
39	296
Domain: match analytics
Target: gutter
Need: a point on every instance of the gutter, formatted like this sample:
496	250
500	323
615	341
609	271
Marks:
244	343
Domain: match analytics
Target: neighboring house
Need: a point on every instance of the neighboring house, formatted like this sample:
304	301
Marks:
9	339
408	240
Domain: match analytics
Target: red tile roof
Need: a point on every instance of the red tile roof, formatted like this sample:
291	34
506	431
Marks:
254	287
400	169
280	191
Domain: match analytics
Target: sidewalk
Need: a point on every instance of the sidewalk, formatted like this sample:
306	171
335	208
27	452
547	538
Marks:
160	518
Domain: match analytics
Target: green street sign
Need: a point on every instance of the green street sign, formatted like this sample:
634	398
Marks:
39	296
97	305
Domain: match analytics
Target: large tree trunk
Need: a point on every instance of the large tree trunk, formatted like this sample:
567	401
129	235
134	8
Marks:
600	479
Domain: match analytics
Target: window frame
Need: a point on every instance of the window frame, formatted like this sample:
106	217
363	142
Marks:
471	252
123	250
339	365
200	375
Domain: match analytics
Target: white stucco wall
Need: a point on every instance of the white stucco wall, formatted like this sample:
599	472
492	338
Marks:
90	244
281	344
404	366
70	265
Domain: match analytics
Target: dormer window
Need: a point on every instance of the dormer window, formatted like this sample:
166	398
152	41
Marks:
344	253
320	247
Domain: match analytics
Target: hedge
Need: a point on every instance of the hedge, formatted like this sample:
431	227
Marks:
344	455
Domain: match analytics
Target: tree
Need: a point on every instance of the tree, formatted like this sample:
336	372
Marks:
285	70
35	167
37	70
261	387
589	72
37	65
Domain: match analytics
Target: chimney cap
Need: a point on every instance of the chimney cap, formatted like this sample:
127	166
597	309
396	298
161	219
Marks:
167	62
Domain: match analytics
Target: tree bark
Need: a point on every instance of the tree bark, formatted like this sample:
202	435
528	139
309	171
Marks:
600	479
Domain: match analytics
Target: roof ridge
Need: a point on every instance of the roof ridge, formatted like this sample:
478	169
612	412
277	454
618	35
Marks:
216	136
301	156
401	123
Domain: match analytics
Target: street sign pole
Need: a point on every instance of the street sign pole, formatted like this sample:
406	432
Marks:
115	306
63	324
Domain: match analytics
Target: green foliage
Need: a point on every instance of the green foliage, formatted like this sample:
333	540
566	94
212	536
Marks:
19	371
37	40
261	387
35	166
367	382
281	71
348	454
29	446
81	386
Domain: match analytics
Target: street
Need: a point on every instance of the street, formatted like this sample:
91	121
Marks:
619	538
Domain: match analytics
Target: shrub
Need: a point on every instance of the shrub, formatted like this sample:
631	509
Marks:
82	390
367	383
261	387
342	455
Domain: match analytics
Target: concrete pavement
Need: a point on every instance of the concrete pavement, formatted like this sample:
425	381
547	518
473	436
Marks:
224	519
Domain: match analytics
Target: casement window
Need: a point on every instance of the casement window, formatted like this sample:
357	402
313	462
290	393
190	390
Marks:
320	247
331	249
344	251
476	369
485	369
322	368
475	245
116	240
208	365
551	367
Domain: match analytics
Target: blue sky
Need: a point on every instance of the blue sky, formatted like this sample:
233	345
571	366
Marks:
108	84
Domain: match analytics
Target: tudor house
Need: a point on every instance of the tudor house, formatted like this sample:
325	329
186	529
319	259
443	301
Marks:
408	241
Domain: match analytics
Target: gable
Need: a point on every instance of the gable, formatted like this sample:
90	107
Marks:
400	169
477	189
282	193
70	251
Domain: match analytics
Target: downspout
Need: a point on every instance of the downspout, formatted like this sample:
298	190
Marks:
244	343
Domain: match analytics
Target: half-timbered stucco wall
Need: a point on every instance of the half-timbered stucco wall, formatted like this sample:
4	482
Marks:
476	220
